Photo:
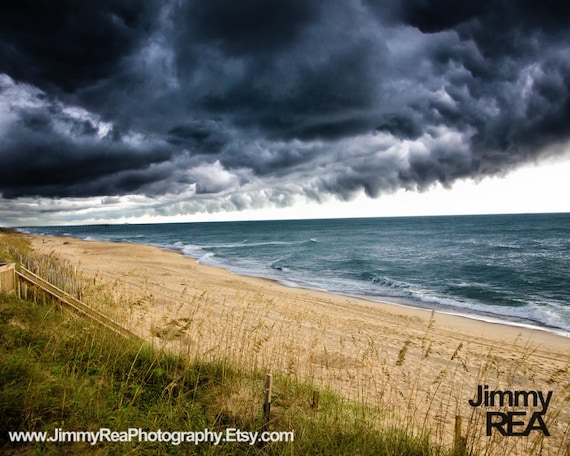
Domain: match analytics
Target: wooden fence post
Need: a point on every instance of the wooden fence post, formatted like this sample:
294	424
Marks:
267	402
7	277
315	404
460	442
457	428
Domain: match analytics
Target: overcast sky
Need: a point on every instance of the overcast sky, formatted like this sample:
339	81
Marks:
181	110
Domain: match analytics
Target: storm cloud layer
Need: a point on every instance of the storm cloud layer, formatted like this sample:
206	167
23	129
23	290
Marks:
189	106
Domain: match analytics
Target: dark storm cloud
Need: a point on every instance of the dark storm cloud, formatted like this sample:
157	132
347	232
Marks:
53	151
248	26
254	101
202	136
67	44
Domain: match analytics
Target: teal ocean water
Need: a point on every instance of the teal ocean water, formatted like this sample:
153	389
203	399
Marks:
513	268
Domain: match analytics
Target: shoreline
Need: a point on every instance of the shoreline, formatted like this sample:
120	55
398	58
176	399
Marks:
495	319
467	319
481	318
455	311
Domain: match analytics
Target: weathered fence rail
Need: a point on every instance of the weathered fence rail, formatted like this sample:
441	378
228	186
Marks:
73	303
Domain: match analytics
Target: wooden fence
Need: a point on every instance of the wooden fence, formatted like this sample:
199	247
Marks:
27	278
7	277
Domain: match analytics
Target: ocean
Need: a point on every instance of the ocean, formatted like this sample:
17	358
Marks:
507	268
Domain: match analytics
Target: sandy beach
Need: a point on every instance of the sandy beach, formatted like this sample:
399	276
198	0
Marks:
423	366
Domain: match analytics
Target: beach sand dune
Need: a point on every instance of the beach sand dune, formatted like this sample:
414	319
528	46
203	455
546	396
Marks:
423	366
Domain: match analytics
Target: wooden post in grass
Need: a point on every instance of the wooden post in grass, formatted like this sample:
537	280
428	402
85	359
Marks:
7	277
457	428
460	442
267	402
315	404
